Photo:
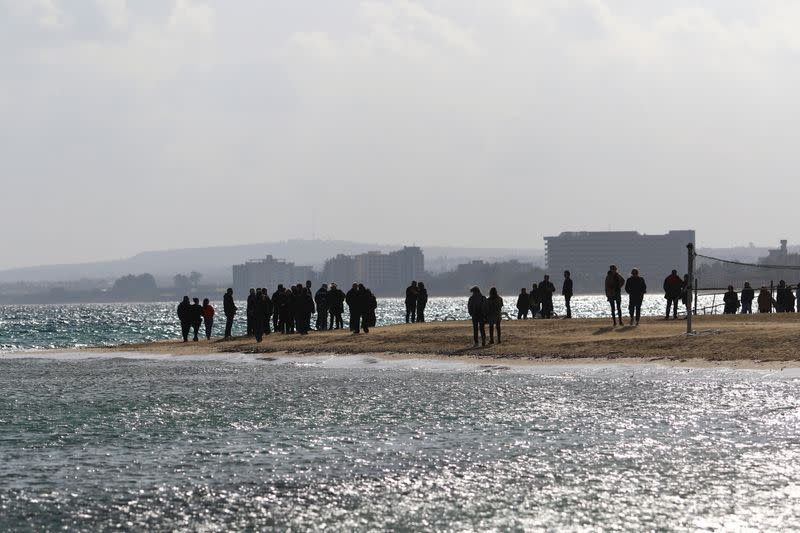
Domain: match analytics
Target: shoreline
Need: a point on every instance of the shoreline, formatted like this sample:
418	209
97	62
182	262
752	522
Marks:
720	341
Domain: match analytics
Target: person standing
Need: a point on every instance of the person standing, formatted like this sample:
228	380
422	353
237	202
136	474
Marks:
494	313
673	286
566	292
731	301
765	300
370	318
335	299
353	307
261	313
613	286
784	298
476	306
229	307
195	316
636	288
523	304
411	302
251	309
747	297
422	301
546	290
535	302
208	317
183	316
321	299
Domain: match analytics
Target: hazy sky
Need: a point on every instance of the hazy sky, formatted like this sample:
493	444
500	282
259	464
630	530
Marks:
150	124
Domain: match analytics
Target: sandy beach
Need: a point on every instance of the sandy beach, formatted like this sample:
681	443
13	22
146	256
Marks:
739	341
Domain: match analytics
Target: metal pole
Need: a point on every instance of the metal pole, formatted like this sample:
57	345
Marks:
689	282
695	295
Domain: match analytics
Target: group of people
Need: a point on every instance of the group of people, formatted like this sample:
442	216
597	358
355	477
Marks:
191	315
783	302
675	290
416	300
539	300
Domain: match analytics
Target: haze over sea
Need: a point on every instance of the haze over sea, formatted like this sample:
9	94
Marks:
93	441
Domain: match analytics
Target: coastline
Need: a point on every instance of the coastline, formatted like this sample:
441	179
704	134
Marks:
768	342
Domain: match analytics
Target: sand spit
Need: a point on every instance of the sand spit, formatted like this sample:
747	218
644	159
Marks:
739	341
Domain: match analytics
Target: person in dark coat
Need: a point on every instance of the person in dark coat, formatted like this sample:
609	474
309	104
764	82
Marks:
731	300
784	298
613	287
278	303
269	310
411	302
535	302
251	302
422	301
636	289
208	317
494	313
673	286
363	304
566	292
747	297
321	299
229	307
765	300
475	307
546	290
353	306
523	304
183	316
261	313
335	300
371	304
195	316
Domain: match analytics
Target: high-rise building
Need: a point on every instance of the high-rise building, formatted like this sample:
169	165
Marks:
591	252
268	272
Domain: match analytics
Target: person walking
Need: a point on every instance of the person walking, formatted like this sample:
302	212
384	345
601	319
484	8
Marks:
535	302
747	297
208	317
411	302
673	286
321	299
335	300
636	288
476	306
613	286
494	313
523	304
566	292
422	301
546	290
731	301
183	317
195	316
229	308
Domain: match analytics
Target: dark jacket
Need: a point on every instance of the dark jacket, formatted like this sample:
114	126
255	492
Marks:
262	307
613	284
335	299
566	289
321	299
493	308
673	285
748	295
195	313
731	300
546	290
411	295
636	288
422	298
183	311
227	304
523	301
353	300
475	306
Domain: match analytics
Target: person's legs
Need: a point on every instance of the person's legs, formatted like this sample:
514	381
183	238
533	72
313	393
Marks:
498	332
365	323
185	331
475	330
195	328
482	325
258	326
612	303
408	313
491	332
638	311
228	325
267	323
209	323
355	322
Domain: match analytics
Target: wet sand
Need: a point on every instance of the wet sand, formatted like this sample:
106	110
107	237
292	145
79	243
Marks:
733	341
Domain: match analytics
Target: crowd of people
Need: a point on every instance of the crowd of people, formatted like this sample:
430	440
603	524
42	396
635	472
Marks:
782	302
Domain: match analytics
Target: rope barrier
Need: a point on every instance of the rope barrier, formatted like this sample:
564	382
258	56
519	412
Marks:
754	265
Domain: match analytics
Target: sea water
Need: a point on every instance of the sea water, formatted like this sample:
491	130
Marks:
39	327
219	443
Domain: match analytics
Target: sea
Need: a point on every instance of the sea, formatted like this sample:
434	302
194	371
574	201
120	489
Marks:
138	442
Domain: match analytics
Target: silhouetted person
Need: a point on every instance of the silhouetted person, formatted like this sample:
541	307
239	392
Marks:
270	309
636	289
208	317
313	306
411	302
229	307
195	316
262	309
731	300
546	291
422	301
321	299
476	306
536	304
251	302
370	318
363	304
566	292
494	313
278	311
335	306
784	298
747	297
613	286
184	317
353	302
523	304
673	287
765	300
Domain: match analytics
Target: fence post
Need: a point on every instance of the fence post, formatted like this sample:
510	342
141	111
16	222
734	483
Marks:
695	296
690	282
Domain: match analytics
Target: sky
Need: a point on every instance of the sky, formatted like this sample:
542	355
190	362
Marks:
131	125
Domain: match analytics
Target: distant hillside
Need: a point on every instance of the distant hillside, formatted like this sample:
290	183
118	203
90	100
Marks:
215	262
